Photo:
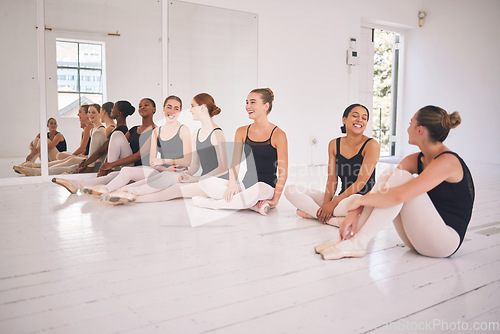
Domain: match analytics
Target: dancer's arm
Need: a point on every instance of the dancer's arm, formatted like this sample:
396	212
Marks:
324	213
232	187
187	176
444	168
84	141
53	143
282	149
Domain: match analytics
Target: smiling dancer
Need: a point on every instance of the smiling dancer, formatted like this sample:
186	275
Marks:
209	156
351	158
123	150
172	139
265	146
430	212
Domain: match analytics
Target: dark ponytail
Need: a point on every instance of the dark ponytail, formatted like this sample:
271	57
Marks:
348	110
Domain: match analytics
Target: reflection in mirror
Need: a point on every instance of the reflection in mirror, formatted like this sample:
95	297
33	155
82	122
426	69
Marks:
96	51
18	83
212	50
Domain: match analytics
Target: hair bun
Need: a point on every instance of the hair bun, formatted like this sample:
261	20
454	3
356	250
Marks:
271	93
451	121
215	111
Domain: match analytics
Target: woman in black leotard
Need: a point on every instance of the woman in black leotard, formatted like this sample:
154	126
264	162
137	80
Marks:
55	144
170	184
352	159
172	140
126	148
265	146
430	212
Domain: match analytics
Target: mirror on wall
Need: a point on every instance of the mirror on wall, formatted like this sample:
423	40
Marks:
18	83
96	51
212	50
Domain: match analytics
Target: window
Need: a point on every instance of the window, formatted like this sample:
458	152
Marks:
79	75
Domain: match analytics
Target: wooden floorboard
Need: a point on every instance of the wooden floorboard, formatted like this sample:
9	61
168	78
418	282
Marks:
69	264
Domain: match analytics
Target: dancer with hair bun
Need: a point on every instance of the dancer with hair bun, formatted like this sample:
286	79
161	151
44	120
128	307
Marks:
352	159
175	181
265	148
430	212
121	110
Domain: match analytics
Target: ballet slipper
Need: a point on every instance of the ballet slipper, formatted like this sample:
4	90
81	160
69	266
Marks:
94	191
263	210
346	248
325	245
302	214
118	197
66	184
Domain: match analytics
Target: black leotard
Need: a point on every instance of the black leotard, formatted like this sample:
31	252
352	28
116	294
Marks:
453	201
348	169
137	140
61	146
265	157
207	154
122	128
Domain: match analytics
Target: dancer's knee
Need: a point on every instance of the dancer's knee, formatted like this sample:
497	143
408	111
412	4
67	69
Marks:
399	177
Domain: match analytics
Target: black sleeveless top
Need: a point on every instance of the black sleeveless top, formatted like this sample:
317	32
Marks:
348	169
207	154
61	146
122	128
453	201
263	167
137	140
171	148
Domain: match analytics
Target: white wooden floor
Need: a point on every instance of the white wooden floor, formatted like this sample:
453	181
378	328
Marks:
69	264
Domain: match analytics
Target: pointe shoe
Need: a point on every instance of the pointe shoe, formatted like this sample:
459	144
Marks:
203	202
95	191
264	209
18	169
334	253
118	197
325	245
66	184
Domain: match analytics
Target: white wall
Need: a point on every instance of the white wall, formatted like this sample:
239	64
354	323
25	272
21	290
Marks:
302	46
19	113
452	62
302	49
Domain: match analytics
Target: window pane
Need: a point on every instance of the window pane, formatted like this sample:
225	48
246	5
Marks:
67	80
90	81
67	54
92	98
90	55
68	103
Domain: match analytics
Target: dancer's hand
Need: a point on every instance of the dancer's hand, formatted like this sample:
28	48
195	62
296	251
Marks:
156	162
325	212
271	202
348	226
82	166
185	177
231	190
